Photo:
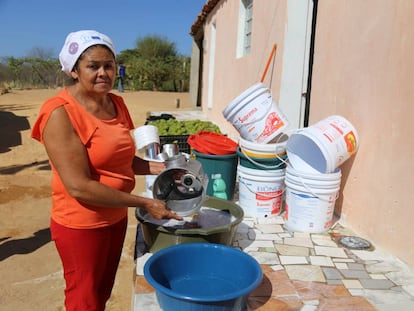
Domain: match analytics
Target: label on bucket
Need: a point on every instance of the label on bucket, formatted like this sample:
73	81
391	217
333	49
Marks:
308	213
256	117
260	199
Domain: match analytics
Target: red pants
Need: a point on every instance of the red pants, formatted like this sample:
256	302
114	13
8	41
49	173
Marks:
90	259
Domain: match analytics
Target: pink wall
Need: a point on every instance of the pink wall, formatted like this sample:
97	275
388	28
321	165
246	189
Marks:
233	75
362	70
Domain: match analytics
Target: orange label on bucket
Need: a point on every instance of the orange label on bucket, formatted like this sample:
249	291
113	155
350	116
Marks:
273	123
351	142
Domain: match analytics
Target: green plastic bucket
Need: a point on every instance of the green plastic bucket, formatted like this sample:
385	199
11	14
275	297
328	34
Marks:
224	165
268	164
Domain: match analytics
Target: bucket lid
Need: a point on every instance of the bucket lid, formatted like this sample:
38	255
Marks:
212	143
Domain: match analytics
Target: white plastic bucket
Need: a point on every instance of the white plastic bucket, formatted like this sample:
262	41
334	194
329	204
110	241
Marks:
324	146
145	135
312	181
269	150
310	200
255	115
260	191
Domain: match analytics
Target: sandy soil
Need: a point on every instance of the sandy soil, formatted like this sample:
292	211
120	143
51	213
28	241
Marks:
30	270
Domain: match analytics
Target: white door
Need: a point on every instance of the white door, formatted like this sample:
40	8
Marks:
296	61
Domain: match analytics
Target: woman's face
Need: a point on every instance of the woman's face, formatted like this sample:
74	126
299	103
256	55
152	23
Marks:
95	70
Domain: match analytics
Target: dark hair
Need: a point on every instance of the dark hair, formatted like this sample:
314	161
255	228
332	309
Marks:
89	48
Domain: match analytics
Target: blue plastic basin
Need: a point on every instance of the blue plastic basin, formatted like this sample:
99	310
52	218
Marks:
202	277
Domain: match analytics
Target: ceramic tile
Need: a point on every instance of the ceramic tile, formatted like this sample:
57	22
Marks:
409	289
269	228
290	250
387	297
277	267
323	240
354	274
330	251
293	260
352	284
341	265
372	255
147	302
305	273
321	261
407	306
376	284
265	258
345	303
274	303
332	274
402	277
376	276
298	241
343	260
140	263
356	266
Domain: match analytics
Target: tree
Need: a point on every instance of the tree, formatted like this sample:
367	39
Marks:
152	64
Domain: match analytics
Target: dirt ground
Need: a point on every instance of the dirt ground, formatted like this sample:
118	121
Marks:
30	269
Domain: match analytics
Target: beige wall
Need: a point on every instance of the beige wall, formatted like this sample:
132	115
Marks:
362	70
233	75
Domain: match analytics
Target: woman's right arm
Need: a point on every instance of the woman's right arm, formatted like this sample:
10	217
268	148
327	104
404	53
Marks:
68	156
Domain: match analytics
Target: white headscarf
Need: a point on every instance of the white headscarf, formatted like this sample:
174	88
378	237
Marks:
77	42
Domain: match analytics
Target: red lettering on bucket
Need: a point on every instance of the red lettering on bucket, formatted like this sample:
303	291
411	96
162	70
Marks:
337	128
248	115
268	195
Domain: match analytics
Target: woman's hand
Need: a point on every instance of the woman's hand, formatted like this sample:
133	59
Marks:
159	210
156	168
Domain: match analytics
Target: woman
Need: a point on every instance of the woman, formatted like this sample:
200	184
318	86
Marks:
86	132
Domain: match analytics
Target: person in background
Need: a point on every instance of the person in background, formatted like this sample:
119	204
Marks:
121	76
85	130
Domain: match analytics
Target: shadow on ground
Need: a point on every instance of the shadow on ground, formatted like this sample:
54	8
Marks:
10	127
25	245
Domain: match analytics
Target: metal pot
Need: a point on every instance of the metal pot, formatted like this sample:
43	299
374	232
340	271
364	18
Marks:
157	236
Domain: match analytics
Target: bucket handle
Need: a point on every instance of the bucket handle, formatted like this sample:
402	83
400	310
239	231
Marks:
263	165
263	195
309	189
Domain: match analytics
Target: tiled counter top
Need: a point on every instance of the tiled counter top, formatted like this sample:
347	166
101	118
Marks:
304	271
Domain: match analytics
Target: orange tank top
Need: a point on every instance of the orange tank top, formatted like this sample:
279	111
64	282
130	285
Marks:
110	149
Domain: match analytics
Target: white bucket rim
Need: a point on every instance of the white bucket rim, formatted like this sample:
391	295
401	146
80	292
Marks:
274	148
337	174
229	110
254	172
315	192
263	177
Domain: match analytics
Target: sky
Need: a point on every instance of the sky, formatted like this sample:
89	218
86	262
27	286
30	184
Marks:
26	25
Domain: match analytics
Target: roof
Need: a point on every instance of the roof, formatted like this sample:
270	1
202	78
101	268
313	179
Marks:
201	17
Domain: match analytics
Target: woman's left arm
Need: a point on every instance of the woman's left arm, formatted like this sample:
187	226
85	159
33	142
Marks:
144	167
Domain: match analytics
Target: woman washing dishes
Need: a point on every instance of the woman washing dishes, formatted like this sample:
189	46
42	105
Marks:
86	132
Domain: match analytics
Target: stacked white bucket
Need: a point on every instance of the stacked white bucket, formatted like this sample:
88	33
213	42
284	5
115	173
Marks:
313	176
147	140
259	121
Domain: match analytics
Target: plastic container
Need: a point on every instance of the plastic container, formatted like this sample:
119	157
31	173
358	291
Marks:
262	163
157	237
202	277
212	143
310	200
226	165
323	146
261	192
145	135
269	150
255	115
